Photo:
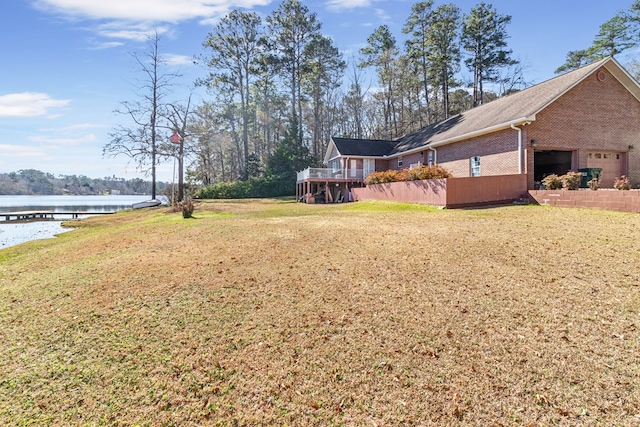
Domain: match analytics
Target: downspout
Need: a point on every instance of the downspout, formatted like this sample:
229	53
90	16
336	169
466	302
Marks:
435	155
519	147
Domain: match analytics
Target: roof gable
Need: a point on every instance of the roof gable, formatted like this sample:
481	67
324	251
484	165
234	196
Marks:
517	108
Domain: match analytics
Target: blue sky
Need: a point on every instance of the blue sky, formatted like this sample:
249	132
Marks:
66	64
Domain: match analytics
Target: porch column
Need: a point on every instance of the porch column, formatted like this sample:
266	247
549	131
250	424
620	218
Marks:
326	192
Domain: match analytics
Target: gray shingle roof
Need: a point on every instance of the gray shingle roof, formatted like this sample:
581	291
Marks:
502	111
363	147
511	109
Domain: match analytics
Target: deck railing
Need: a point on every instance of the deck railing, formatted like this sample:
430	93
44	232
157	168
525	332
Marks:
327	173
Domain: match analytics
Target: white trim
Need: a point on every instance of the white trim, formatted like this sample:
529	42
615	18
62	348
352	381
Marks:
623	76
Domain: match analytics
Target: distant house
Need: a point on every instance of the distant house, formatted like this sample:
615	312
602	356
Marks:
587	118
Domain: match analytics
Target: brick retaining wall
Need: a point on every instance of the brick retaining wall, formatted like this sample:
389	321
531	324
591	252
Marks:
616	200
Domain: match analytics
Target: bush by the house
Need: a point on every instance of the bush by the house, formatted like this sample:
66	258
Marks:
594	184
571	180
417	173
622	183
428	172
552	182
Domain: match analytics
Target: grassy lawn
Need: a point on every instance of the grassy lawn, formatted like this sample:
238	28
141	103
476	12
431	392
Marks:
364	314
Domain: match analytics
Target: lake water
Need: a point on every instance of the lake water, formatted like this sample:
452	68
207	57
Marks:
15	233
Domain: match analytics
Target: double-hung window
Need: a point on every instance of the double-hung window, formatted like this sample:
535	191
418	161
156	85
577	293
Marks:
430	158
475	166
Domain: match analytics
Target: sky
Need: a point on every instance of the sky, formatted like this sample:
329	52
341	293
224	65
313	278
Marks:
67	65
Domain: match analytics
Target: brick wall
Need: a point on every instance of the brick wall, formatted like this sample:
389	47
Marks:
451	192
597	114
625	200
498	154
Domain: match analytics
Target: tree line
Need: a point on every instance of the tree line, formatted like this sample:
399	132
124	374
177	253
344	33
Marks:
35	182
279	90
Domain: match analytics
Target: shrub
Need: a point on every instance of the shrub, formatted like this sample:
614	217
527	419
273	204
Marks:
571	180
622	183
552	182
594	184
269	186
417	173
428	172
187	207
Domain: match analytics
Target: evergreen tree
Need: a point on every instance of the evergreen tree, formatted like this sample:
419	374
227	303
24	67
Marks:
235	48
323	73
289	157
381	52
444	50
418	46
615	36
484	37
291	27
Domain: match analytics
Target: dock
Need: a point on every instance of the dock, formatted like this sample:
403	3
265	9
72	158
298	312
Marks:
25	216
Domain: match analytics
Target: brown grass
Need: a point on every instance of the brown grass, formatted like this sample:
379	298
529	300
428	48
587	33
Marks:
366	314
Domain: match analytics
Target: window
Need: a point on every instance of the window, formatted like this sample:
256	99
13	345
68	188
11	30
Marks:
430	158
400	161
335	165
475	166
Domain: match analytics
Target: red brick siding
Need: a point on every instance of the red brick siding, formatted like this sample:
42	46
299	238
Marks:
383	165
498	153
407	160
594	115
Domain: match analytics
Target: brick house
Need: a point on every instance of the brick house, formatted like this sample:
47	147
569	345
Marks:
587	118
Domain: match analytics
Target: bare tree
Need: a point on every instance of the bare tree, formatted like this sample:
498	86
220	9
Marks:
139	140
179	117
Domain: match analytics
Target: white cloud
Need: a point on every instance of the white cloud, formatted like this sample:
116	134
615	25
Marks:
63	140
338	5
29	104
72	135
177	59
145	10
106	45
20	152
382	14
140	31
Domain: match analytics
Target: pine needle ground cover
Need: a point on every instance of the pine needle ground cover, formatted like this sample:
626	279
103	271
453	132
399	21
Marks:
364	314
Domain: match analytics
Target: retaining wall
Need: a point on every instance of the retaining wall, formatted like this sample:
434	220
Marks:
448	192
616	200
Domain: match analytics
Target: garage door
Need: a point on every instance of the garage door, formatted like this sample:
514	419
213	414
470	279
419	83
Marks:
611	164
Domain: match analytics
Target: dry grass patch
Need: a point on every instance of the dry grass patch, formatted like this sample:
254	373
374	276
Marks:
278	313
